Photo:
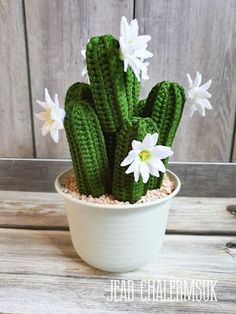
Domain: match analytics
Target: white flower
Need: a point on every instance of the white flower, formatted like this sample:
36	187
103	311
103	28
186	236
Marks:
133	48
53	116
145	158
84	72
197	95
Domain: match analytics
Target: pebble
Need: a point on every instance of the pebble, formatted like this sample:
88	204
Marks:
69	186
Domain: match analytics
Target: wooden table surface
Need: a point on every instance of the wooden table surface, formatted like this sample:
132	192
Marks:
41	273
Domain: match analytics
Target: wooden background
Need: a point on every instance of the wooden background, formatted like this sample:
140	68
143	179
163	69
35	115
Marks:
40	47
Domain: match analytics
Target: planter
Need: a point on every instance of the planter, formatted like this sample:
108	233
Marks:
117	238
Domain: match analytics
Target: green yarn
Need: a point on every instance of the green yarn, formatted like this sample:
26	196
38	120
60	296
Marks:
123	186
114	91
79	91
139	108
103	118
110	140
165	105
87	148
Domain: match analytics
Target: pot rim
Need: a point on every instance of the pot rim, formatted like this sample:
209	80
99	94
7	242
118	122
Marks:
69	197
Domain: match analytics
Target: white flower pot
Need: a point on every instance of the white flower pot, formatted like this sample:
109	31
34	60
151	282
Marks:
117	238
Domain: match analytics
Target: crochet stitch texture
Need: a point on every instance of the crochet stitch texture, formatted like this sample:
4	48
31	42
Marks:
103	118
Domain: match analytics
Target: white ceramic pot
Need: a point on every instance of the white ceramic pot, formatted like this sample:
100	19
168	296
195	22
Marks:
117	238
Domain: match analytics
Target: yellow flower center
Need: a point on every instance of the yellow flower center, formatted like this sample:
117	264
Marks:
130	41
144	155
49	119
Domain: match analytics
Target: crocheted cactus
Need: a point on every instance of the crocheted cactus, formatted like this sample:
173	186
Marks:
87	148
103	118
123	186
114	91
165	105
79	91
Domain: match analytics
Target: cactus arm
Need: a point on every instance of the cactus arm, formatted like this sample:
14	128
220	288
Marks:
165	105
110	140
124	187
79	91
139	108
114	91
87	148
132	87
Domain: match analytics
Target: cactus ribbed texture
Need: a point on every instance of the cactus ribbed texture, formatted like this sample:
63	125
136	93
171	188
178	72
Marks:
123	186
110	140
139	108
165	105
79	91
114	91
87	148
103	118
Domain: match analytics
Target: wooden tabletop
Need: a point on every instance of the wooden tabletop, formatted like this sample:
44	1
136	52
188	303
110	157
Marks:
41	273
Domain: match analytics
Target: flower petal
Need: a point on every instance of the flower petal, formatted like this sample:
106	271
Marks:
162	152
48	99
134	66
158	164
149	141
134	166
134	28
124	28
190	81
191	109
200	108
55	135
198	80
56	101
201	93
154	171
46	128
43	116
136	175
206	85
129	159
136	144
43	104
144	171
205	103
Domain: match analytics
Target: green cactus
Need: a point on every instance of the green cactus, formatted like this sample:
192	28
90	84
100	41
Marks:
103	118
79	91
110	140
123	186
87	148
139	108
114	91
165	105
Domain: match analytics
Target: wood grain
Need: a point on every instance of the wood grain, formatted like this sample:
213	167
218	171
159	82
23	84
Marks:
197	179
36	210
234	146
15	122
57	31
191	35
40	271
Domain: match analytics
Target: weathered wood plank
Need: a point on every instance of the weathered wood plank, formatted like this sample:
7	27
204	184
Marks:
46	211
234	146
40	270
15	122
191	35
57	31
198	179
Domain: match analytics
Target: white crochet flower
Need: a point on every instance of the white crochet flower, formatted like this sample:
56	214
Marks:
53	116
133	48
145	158
197	95
84	72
